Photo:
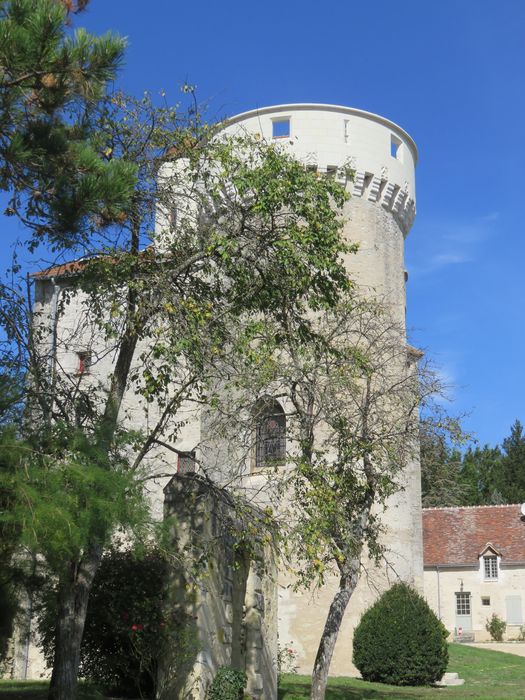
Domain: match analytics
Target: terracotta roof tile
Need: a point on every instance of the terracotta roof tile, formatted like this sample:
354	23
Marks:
460	535
69	268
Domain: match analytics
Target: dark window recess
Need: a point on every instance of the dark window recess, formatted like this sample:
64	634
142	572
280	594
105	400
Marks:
186	462
83	362
485	601
173	218
270	447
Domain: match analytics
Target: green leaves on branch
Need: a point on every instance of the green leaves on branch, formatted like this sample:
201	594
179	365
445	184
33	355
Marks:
62	501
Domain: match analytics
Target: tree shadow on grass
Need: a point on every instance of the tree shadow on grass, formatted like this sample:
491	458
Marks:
37	690
299	689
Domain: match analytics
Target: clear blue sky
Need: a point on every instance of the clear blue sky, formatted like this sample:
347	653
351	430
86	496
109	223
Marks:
451	72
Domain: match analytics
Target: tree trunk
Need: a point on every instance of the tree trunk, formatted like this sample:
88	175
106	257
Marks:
74	589
332	625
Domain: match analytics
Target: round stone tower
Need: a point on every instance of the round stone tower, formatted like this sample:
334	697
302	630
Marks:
377	216
382	205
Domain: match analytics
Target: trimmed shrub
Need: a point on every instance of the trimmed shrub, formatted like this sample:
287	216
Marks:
228	684
400	641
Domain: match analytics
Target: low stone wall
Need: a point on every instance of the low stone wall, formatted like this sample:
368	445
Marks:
223	590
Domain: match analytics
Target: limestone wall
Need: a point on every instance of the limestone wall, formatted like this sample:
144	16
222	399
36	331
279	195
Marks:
226	591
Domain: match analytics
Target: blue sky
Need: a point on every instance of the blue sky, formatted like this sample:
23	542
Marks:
451	73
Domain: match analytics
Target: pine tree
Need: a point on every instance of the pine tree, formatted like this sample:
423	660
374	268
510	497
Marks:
511	479
51	83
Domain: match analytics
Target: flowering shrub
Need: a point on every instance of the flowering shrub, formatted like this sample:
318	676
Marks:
286	659
496	627
126	626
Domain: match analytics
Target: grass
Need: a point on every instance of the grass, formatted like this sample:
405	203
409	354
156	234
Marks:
489	675
37	690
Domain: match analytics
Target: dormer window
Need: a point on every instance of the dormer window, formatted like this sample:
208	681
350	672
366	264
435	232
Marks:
490	567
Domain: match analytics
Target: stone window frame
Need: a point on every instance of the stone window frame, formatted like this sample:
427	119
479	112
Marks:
490	567
463	603
266	409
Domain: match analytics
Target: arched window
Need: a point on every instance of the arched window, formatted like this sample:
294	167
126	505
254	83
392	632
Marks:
270	433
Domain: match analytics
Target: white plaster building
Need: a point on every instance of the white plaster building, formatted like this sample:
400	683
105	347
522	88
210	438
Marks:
474	560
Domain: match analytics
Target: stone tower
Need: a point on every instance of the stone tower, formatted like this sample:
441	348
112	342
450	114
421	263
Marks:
378	217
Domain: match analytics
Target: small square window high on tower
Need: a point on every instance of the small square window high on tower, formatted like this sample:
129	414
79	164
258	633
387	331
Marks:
281	128
395	145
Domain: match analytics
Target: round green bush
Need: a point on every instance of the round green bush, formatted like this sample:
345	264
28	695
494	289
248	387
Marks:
400	641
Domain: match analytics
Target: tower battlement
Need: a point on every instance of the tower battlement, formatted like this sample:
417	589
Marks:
328	137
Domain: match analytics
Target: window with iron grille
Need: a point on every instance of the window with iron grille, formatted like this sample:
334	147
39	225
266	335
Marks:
186	462
270	438
490	567
462	603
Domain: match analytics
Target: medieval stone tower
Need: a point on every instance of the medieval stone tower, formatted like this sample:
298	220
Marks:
378	217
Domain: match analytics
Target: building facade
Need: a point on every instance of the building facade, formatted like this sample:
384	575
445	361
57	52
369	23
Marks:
474	561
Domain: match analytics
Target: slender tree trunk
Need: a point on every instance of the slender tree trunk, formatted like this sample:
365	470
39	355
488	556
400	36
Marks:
74	589
332	626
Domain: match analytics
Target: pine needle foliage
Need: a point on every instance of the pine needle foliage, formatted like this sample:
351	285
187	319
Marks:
51	82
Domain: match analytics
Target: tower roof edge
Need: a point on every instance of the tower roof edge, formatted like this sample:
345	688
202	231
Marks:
353	111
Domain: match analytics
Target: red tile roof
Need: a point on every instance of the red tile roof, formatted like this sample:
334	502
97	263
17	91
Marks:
454	536
69	268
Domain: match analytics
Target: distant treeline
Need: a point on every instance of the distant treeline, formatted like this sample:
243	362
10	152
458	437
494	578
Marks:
480	476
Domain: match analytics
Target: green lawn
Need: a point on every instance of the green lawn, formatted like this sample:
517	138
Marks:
37	690
489	675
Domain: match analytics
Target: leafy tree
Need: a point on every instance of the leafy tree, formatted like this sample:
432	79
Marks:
443	481
357	409
351	396
50	85
255	237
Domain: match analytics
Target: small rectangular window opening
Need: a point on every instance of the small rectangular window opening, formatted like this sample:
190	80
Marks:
83	362
311	168
186	462
395	143
485	600
331	171
281	128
